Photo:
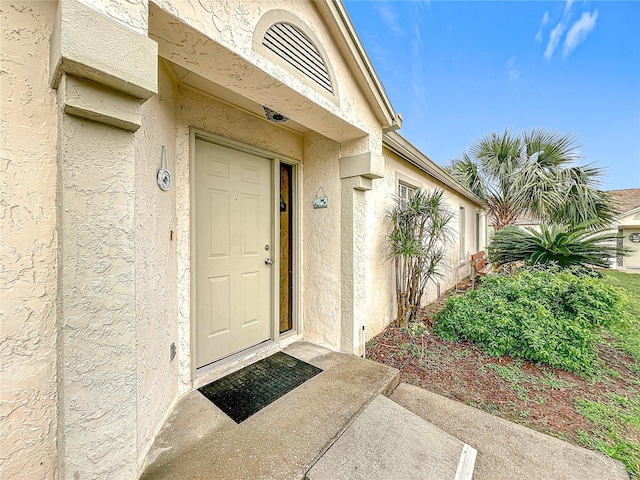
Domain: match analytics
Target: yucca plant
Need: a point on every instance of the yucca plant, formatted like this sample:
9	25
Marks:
581	246
416	243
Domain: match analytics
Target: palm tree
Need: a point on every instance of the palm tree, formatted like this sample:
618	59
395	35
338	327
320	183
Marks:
534	173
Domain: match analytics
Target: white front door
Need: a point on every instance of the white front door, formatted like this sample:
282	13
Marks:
233	249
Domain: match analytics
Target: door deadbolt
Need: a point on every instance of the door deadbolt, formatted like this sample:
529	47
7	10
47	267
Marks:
267	247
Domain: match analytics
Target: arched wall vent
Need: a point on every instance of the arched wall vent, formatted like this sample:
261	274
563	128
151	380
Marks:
290	44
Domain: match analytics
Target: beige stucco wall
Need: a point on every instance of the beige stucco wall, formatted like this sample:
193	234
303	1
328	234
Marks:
28	244
97	338
629	224
116	233
131	13
380	280
232	25
156	265
321	242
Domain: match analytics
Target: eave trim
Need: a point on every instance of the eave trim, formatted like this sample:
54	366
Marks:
334	10
408	152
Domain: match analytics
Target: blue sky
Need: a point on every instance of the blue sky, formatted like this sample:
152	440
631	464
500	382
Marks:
458	70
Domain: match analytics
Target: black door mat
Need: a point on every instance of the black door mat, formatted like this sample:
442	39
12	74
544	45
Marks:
247	391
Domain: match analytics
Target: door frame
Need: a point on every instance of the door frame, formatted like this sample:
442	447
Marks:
275	159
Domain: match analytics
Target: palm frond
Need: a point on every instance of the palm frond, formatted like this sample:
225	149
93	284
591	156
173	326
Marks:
556	244
536	173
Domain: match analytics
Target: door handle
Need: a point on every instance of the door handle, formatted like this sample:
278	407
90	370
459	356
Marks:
268	261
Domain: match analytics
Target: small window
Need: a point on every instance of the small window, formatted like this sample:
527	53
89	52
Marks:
477	232
462	234
405	190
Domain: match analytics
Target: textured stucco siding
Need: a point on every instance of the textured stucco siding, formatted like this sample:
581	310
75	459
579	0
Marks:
321	242
381	278
632	219
97	341
156	266
28	244
130	13
232	24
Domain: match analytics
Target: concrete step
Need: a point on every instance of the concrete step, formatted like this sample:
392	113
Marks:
388	442
280	442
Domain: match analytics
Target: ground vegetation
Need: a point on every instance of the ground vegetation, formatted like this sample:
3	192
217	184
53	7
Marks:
579	246
599	410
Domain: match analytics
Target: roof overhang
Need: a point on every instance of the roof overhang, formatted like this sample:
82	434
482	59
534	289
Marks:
405	150
343	31
633	211
211	67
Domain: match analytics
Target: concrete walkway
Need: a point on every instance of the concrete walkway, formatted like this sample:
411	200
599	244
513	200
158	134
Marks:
507	450
341	425
388	442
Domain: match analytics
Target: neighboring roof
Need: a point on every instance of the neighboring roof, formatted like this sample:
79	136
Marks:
404	149
625	200
340	25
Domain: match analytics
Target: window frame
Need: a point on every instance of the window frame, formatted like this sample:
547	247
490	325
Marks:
462	232
407	182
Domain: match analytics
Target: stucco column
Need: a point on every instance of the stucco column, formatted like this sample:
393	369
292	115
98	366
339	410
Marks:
356	174
352	261
98	113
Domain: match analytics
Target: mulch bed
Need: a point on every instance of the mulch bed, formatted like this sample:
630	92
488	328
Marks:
541	397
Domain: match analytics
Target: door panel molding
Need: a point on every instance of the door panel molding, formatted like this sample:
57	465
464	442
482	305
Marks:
221	237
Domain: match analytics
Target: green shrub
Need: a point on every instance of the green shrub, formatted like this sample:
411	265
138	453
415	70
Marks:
548	316
579	246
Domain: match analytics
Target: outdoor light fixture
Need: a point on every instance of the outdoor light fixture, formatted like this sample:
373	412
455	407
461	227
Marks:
274	116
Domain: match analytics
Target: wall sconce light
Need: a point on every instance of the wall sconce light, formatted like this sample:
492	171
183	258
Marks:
320	201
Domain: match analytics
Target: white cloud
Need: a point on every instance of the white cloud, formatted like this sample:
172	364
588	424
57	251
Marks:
389	17
416	43
579	31
514	73
421	7
420	92
554	40
545	19
417	71
567	6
